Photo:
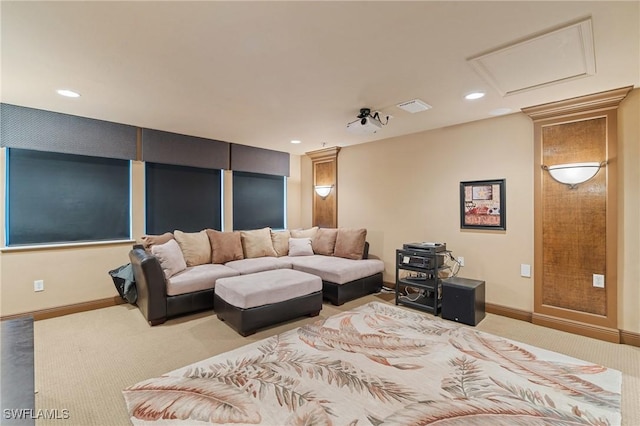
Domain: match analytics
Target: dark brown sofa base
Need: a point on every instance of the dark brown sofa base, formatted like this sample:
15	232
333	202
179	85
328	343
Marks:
189	302
248	321
184	304
153	301
338	294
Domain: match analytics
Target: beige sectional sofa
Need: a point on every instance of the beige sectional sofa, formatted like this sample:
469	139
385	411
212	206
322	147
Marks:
176	272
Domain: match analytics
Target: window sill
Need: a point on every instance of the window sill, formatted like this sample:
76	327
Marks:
58	246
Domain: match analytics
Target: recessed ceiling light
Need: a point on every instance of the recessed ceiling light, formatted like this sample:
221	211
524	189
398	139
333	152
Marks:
295	141
474	95
500	111
68	93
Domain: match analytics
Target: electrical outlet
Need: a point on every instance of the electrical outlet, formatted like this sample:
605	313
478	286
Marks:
598	280
525	270
461	260
38	285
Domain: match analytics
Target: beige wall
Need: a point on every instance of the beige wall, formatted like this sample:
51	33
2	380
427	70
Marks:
294	195
402	189
629	213
79	273
407	189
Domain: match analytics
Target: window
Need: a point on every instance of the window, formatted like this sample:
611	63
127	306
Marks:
258	201
182	197
60	198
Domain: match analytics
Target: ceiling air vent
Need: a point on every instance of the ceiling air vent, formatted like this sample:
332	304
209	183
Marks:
414	106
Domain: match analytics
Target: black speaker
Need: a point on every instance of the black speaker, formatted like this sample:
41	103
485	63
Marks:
463	300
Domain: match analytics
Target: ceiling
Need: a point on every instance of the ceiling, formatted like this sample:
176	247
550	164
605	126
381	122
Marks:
265	73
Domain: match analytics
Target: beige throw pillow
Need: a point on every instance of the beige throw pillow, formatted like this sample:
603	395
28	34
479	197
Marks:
324	241
170	257
300	247
151	240
257	243
225	246
280	241
195	247
304	233
350	243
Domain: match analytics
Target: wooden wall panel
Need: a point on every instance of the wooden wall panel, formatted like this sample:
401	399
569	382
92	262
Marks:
324	211
325	172
574	220
576	230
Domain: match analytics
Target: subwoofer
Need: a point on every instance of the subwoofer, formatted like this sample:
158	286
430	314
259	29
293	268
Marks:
463	300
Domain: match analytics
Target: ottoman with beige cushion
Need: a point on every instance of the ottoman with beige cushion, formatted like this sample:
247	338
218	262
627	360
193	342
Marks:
250	302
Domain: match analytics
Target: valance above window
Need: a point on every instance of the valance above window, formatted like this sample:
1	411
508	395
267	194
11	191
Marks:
182	150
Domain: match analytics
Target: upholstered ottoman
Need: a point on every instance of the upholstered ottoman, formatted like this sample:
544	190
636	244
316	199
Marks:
249	302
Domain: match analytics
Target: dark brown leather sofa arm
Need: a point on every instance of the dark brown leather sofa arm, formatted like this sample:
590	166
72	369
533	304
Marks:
151	285
365	252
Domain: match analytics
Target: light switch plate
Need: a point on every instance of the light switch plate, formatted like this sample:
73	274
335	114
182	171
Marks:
525	270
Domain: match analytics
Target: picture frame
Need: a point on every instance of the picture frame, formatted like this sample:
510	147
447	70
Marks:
483	204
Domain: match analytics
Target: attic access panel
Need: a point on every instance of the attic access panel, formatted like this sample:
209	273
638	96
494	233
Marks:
554	57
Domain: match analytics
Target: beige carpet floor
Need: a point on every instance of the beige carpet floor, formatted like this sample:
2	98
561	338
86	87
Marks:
83	361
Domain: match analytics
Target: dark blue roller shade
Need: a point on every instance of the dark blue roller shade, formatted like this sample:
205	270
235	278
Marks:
58	198
183	198
258	201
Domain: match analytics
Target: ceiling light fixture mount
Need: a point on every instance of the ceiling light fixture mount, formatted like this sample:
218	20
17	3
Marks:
573	174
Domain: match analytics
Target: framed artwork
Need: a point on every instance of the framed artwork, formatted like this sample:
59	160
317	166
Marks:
483	204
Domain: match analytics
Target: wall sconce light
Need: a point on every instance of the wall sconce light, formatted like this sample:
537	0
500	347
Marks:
573	174
323	190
